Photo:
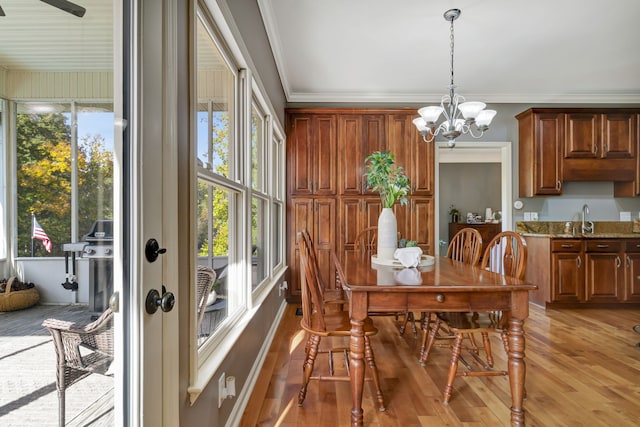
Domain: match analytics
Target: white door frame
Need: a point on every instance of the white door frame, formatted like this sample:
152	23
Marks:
153	354
476	152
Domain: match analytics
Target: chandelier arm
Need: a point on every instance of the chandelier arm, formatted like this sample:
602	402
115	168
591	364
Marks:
470	132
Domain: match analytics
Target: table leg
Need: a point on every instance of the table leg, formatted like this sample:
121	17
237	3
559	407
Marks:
517	370
356	356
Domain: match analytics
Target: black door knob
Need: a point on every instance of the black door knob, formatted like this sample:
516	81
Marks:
155	301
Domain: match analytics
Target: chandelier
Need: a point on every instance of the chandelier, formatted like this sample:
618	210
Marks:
475	119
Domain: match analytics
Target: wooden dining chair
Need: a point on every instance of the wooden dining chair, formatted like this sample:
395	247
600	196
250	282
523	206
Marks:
366	245
466	247
330	295
319	324
506	254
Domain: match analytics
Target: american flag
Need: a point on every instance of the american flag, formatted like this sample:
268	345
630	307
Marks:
38	233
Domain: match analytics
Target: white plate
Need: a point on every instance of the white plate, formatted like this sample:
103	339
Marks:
424	261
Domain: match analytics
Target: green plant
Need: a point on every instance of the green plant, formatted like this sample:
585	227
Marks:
453	211
386	178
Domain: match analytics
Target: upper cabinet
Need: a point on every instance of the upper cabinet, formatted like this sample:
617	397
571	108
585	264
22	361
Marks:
541	135
359	135
557	144
311	154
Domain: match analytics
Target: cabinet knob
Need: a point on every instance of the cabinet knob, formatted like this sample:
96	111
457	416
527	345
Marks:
440	297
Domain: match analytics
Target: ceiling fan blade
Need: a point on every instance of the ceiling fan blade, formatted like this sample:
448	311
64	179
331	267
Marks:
2	12
67	6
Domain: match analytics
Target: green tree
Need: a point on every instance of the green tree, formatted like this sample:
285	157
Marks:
44	159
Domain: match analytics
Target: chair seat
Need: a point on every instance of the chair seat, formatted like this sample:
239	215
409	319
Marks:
474	322
336	324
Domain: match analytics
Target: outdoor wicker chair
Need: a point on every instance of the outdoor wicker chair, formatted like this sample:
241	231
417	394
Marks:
74	365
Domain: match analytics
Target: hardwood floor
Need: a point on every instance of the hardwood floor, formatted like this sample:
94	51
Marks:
583	369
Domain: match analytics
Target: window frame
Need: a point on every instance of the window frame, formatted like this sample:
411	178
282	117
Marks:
206	359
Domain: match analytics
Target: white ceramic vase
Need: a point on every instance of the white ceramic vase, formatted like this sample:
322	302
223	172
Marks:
387	234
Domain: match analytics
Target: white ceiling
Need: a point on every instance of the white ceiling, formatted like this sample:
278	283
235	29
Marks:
543	51
35	36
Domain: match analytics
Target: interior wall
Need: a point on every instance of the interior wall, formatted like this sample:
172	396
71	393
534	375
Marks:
470	187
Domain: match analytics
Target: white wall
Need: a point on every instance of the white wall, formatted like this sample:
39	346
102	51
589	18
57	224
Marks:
48	274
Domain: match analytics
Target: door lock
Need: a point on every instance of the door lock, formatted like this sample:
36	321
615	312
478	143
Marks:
154	300
153	249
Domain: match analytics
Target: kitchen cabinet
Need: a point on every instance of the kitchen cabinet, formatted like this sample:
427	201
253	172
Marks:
631	188
326	187
567	266
311	154
583	271
318	216
604	271
359	136
354	215
487	231
578	144
632	271
540	139
412	153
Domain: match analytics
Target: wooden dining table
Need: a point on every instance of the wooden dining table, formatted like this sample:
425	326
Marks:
445	285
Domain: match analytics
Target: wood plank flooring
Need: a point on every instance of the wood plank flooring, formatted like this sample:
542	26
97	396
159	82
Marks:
583	369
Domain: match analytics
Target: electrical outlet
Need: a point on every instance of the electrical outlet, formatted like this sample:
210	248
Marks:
534	216
527	216
222	389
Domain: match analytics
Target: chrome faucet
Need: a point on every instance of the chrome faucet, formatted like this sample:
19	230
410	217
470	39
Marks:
587	226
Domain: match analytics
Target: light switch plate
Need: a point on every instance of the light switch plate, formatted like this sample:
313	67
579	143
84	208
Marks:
534	216
625	216
527	216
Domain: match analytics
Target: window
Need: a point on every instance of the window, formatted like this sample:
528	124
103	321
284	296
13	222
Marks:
239	195
64	178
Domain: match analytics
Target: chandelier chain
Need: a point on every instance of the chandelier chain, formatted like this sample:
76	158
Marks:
451	46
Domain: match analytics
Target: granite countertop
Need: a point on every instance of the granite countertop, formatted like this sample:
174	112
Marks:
602	229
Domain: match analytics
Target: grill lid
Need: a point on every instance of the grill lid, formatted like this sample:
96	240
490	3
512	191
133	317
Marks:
101	231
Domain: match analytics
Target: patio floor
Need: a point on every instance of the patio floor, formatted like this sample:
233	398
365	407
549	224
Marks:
28	395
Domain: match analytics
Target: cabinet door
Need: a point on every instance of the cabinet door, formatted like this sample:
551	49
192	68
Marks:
325	132
422	164
421	223
568	277
604	277
324	237
358	136
632	277
398	133
300	154
582	137
300	216
619	135
549	133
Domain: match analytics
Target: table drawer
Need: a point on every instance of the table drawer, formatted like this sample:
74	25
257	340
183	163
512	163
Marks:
566	245
439	301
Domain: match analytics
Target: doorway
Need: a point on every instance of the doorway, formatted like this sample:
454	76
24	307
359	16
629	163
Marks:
498	154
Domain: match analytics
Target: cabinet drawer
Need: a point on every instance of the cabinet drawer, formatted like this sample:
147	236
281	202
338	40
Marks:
603	245
566	245
632	246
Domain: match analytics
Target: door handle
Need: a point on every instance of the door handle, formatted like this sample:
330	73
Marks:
164	302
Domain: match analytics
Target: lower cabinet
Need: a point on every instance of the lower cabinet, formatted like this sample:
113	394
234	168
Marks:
632	271
605	271
583	271
318	216
567	266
